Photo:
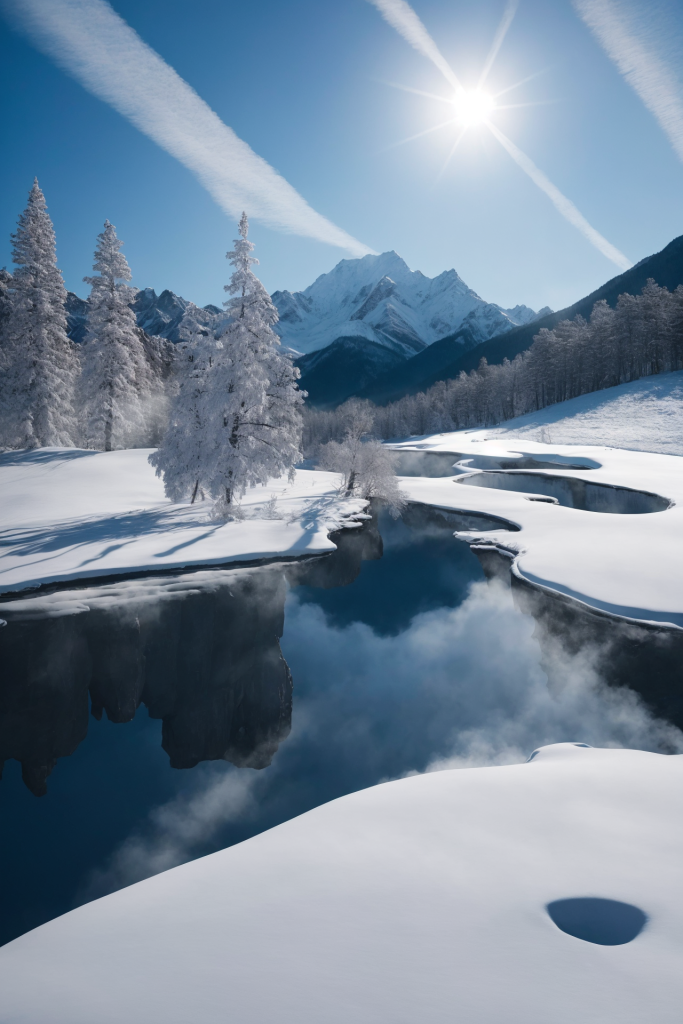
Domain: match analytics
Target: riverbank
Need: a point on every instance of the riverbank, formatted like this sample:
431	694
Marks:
600	525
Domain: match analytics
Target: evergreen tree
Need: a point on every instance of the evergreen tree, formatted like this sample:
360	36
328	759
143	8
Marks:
254	399
182	456
40	363
117	383
5	305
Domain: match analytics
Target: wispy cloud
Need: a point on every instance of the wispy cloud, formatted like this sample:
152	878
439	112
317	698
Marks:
102	52
561	203
403	18
636	41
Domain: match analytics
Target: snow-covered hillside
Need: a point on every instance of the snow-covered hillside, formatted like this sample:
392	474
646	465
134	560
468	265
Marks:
421	900
380	298
645	415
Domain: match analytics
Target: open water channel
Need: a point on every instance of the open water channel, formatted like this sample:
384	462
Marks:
145	722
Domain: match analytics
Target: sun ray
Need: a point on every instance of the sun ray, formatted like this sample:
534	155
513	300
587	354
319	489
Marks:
505	22
417	92
522	81
427	131
531	103
450	155
476	106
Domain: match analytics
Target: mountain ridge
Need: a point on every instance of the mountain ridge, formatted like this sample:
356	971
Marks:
380	299
665	267
159	316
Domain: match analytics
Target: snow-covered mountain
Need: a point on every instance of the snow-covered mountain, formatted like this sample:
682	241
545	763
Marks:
159	316
376	298
381	299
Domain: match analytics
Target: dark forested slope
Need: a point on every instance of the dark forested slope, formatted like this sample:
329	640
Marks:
418	373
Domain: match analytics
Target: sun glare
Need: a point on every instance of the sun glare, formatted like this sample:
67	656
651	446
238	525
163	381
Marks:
473	107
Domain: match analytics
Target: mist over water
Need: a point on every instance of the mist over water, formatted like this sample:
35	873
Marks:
417	664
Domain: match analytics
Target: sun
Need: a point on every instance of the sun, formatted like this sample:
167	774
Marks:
473	107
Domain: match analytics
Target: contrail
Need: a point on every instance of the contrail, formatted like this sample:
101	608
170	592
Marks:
403	18
560	201
626	42
506	21
93	44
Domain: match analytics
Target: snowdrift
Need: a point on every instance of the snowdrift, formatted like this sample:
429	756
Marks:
437	898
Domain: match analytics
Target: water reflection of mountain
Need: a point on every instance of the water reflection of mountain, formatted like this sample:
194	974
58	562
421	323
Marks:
201	651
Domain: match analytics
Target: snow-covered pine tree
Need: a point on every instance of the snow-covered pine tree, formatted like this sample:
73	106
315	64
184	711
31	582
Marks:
182	457
255	403
5	305
117	382
40	362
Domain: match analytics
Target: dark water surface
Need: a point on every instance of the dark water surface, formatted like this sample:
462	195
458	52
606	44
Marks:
147	722
201	652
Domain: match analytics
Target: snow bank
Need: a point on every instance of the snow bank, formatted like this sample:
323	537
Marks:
69	514
629	565
646	415
418	900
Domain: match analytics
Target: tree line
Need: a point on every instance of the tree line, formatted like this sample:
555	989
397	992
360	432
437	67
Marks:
229	414
642	335
229	417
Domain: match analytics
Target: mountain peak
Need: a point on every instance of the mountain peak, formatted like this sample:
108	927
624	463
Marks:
379	298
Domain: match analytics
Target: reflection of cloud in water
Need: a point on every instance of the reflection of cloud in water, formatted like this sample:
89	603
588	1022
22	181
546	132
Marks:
458	687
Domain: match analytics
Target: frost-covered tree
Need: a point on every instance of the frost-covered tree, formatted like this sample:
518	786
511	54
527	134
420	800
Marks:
40	363
182	457
255	403
366	465
5	301
117	384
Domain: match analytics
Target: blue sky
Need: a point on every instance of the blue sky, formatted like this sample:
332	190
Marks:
304	84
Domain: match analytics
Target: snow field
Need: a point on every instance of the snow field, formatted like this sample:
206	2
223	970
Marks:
417	900
68	514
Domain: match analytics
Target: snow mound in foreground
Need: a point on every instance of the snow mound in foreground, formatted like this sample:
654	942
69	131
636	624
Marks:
645	415
418	900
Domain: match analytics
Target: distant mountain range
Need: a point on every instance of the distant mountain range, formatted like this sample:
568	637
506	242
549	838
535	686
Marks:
362	320
371	327
159	316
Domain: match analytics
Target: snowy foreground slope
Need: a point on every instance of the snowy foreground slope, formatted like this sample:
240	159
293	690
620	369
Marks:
70	514
645	415
422	900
